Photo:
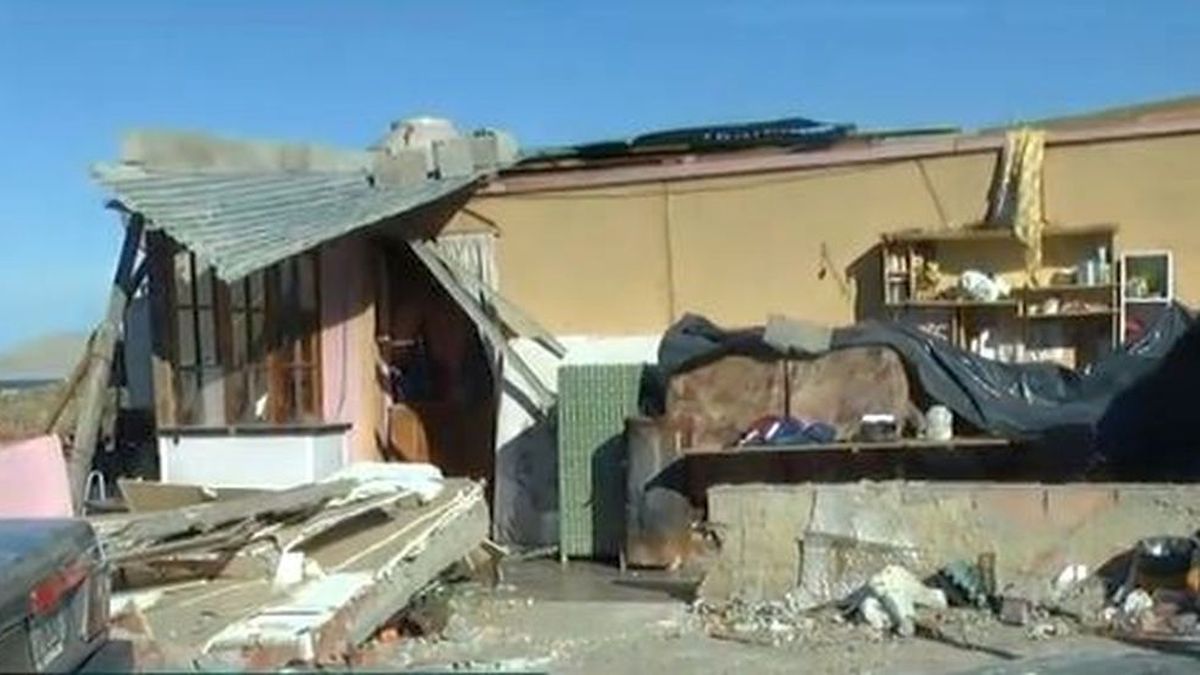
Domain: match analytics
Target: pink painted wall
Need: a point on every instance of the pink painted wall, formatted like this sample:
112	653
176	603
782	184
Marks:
33	480
349	391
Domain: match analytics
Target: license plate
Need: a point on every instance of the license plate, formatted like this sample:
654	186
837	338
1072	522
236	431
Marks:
48	638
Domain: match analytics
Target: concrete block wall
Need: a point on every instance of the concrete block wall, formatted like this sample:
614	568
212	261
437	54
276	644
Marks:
1035	530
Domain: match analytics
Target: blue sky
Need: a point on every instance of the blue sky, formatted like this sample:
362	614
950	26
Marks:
74	75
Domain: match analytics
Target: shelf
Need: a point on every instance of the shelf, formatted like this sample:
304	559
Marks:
1147	301
1066	288
1072	315
953	304
995	233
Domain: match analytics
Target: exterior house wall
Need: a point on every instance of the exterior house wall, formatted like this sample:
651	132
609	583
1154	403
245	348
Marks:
580	260
631	259
350	391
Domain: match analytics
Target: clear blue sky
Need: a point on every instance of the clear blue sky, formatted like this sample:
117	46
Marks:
73	75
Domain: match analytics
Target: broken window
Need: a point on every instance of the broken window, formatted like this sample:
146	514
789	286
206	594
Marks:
198	373
248	351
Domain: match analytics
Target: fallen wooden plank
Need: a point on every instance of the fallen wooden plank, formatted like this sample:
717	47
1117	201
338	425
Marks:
510	313
371	575
545	397
144	496
222	540
143	530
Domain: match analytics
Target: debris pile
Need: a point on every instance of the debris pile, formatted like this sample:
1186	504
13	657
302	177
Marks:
1152	594
303	575
890	600
766	623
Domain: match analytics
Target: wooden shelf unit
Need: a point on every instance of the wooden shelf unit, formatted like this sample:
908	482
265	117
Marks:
1075	308
1139	311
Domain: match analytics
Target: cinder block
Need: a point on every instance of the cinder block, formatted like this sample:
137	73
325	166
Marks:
453	157
405	168
1070	505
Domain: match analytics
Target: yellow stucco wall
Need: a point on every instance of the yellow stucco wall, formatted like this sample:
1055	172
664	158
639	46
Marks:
585	262
612	261
1151	188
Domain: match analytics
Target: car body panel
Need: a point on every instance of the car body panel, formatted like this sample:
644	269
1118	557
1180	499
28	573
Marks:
32	551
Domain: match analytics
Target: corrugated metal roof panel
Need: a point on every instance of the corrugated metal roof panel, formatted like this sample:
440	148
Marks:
244	221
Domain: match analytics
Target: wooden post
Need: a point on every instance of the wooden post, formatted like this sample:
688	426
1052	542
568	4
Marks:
100	357
68	391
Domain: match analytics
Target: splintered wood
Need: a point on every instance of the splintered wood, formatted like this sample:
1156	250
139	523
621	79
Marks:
351	564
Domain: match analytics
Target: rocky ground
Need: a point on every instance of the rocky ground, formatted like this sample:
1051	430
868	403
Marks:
590	619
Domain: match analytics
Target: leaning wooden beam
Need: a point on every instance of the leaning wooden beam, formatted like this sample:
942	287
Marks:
469	303
510	313
69	389
100	356
144	530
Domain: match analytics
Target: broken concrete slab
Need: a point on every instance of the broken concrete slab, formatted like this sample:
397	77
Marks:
132	533
364	570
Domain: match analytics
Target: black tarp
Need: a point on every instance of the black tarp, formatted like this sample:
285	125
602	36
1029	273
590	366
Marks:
1028	401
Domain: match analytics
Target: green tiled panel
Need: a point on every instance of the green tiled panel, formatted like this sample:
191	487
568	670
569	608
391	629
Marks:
593	402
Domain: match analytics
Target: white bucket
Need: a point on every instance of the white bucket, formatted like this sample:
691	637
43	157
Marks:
940	423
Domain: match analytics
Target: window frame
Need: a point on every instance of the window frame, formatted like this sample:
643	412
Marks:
284	363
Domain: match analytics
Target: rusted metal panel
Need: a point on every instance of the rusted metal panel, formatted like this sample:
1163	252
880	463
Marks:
713	404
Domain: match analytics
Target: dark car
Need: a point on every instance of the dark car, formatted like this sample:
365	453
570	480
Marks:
54	589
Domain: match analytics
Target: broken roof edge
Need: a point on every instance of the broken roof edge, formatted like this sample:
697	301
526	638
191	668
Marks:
188	150
516	181
274	215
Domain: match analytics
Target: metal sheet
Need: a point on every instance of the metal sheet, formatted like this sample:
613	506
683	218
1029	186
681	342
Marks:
242	221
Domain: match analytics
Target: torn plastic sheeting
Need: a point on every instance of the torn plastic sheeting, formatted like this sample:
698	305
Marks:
1019	401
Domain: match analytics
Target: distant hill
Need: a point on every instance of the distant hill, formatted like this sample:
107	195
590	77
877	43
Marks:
47	357
1164	110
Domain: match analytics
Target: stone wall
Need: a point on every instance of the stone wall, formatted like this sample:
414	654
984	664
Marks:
1034	530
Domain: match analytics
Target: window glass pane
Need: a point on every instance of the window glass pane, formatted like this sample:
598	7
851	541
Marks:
258	393
204	288
183	279
237	295
287	396
208	338
305	394
287	283
190	406
258	293
213	388
239	339
258	346
236	390
307	347
185	338
307	284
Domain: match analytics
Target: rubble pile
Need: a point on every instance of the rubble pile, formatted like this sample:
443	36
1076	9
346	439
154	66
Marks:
1153	594
303	575
768	623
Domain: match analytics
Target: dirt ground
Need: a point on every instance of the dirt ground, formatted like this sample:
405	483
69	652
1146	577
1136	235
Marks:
23	412
588	618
